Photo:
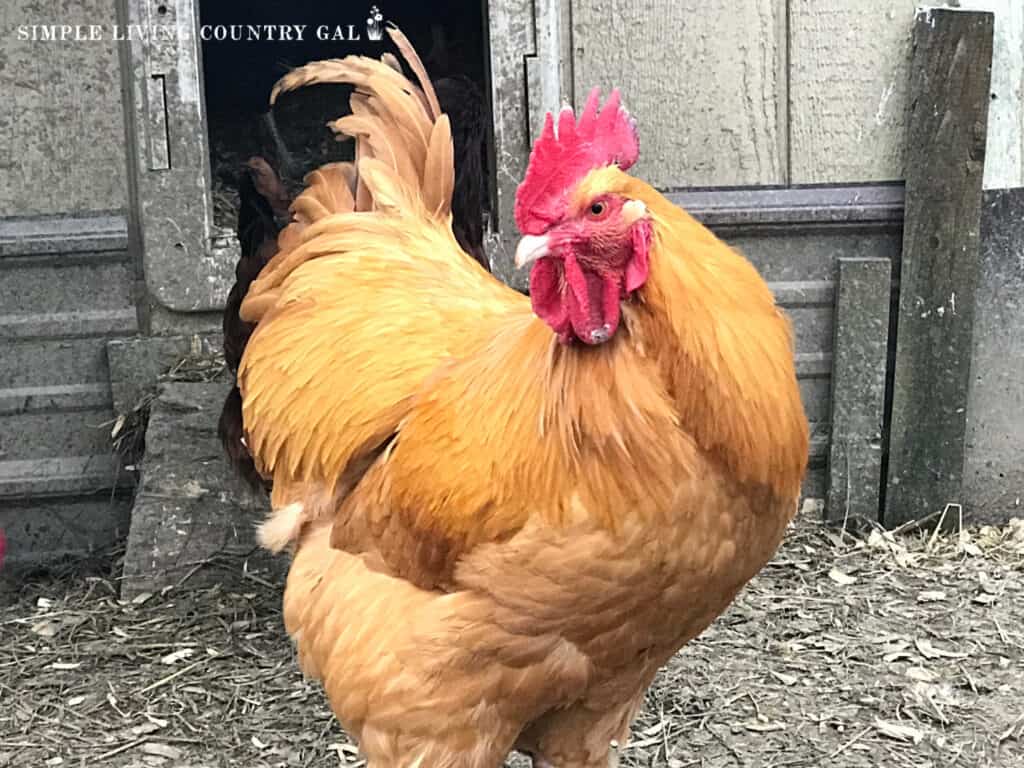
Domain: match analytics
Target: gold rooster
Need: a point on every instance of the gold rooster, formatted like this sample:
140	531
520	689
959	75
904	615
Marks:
506	513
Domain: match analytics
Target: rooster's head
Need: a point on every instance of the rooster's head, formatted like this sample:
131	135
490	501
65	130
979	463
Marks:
587	240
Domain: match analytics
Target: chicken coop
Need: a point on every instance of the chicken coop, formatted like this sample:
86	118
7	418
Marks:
803	132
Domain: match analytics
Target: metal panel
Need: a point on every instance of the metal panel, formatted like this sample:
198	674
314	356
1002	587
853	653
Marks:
188	266
796	238
993	466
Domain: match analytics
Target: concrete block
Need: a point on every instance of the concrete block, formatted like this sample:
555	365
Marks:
192	516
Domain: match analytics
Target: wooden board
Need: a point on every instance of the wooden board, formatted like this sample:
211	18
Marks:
705	79
859	359
848	89
939	272
62	147
191	510
849	73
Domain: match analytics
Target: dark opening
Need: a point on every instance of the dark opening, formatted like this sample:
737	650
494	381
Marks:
241	67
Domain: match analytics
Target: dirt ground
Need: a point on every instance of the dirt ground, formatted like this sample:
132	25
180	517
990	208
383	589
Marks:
846	651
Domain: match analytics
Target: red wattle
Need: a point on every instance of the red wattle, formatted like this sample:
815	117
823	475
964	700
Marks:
546	286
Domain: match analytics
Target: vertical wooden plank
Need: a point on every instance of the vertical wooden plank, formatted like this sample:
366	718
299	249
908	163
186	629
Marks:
848	89
946	128
859	356
703	78
512	39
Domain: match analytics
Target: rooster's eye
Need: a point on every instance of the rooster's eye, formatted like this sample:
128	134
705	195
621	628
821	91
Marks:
598	209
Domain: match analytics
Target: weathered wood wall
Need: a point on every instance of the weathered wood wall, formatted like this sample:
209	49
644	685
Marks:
740	92
62	146
848	89
709	92
815	96
944	161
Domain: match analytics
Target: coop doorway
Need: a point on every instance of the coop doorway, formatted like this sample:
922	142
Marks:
247	45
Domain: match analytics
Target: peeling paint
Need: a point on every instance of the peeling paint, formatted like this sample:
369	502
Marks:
886	95
188	66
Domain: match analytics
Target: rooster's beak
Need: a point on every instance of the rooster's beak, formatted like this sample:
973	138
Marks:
531	248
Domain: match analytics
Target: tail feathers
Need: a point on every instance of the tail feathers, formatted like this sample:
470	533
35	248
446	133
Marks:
404	159
392	120
463	102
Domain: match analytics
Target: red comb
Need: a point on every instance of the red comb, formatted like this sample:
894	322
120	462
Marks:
557	162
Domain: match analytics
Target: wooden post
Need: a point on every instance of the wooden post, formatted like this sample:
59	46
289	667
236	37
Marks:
860	354
947	122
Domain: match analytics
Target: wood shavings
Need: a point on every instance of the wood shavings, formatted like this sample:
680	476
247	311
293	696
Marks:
902	667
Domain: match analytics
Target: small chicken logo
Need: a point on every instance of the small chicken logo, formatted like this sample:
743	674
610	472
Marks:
375	24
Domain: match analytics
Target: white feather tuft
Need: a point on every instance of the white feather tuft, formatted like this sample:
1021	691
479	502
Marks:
281	527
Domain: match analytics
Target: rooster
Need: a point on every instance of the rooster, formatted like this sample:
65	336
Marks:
505	513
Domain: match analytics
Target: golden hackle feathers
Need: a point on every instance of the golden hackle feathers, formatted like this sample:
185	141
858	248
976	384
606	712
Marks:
725	348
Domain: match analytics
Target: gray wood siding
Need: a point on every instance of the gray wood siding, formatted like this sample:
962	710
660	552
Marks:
742	93
848	89
62	146
707	90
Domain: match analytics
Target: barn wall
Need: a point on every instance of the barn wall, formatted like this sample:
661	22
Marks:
848	89
849	73
709	93
62	147
738	93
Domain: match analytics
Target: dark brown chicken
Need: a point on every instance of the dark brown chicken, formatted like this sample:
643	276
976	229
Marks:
262	213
